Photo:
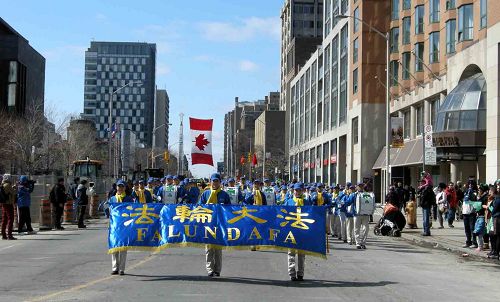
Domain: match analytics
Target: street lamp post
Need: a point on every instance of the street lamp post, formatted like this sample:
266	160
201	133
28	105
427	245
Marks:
110	121
387	100
153	145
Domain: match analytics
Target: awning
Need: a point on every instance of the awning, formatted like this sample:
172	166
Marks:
409	155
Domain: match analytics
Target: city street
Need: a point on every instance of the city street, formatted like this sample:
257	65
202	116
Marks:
72	265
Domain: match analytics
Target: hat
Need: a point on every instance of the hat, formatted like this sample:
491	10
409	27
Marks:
266	180
320	185
484	187
360	184
169	177
283	188
120	183
348	184
175	177
298	186
141	181
151	179
231	180
23	179
257	180
215	176
352	187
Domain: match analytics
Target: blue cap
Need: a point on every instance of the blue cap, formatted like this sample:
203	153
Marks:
168	177
283	188
231	180
151	179
120	182
257	180
215	176
298	186
348	184
23	179
320	185
361	184
273	184
266	179
141	181
175	177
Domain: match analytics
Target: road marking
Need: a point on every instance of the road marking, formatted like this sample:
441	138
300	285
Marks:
7	247
79	287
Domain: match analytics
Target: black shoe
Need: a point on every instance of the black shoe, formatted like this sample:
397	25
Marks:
5	238
345	241
358	247
492	256
122	273
300	278
474	246
451	226
363	247
82	226
114	273
59	228
211	275
293	278
217	274
466	245
11	238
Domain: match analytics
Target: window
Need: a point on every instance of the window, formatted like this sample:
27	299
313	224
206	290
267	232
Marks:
433	11
483	13
356	22
450	4
419	55
406	4
343	75
407	124
394	38
406	30
394	69
395	9
344	5
420	119
355	47
355	81
405	73
434	112
419	19
451	27
354	131
434	47
465	22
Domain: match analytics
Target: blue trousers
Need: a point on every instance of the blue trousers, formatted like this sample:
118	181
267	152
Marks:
426	213
469	223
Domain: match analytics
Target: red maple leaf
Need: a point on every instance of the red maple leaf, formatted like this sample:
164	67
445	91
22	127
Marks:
201	142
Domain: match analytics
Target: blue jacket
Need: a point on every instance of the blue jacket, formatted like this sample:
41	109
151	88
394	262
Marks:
181	194
326	199
147	195
349	204
24	196
127	198
192	195
291	202
249	200
222	198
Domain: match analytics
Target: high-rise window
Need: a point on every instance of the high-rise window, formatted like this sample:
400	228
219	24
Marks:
420	119
451	27
406	4
395	9
406	59
356	21
434	47
433	11
335	81
343	75
355	81
406	30
407	124
344	5
450	4
394	69
465	22
394	39
419	19
419	56
355	130
355	48
483	13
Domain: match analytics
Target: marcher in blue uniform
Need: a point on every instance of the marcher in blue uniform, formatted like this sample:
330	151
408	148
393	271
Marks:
281	197
140	194
231	182
256	197
119	259
193	192
349	206
214	196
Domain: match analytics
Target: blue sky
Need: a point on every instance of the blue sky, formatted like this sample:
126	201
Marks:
208	51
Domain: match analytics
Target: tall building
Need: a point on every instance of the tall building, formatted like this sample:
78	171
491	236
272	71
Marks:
337	111
301	33
162	110
270	144
445	73
239	131
22	72
125	73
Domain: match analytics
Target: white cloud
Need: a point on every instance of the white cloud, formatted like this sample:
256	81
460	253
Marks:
162	69
64	51
248	66
242	31
101	17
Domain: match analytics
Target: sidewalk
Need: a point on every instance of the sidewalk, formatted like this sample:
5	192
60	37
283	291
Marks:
451	239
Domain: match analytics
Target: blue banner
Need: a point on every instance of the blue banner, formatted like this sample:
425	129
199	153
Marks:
151	226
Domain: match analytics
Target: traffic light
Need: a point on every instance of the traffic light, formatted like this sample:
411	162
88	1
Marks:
166	156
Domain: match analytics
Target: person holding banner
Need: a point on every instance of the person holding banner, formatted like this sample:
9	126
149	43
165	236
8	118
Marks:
234	192
167	193
213	196
256	197
269	193
140	194
193	192
119	259
282	196
296	260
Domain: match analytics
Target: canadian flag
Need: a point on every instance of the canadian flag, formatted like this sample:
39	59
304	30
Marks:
201	146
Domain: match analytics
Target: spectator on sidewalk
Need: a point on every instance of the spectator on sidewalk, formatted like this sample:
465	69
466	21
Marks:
24	190
82	201
480	225
460	200
72	194
489	240
58	198
442	203
427	201
469	215
451	195
495	215
8	204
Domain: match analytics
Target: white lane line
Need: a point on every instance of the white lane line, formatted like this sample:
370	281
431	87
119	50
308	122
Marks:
7	247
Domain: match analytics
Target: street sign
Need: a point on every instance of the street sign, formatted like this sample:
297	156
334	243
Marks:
430	156
428	136
428	129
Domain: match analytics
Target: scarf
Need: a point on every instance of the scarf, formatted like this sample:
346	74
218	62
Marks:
120	197
299	202
320	199
213	196
140	194
283	196
257	198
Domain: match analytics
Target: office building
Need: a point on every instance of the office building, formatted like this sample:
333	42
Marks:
123	72
162	109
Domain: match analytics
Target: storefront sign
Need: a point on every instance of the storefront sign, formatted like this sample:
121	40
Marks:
397	132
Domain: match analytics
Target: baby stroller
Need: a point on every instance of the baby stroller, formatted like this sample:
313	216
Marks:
392	223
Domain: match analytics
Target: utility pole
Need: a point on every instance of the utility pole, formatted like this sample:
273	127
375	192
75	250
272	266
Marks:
180	167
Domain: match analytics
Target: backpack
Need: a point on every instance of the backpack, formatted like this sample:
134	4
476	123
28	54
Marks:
3	195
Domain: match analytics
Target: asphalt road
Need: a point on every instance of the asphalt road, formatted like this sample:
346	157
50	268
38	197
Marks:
72	265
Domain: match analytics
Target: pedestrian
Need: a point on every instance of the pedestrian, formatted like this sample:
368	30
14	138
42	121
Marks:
364	207
8	202
488	236
411	209
451	196
72	194
296	259
349	205
469	215
58	198
82	200
427	201
119	259
495	225
460	200
24	190
480	209
442	203
214	196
